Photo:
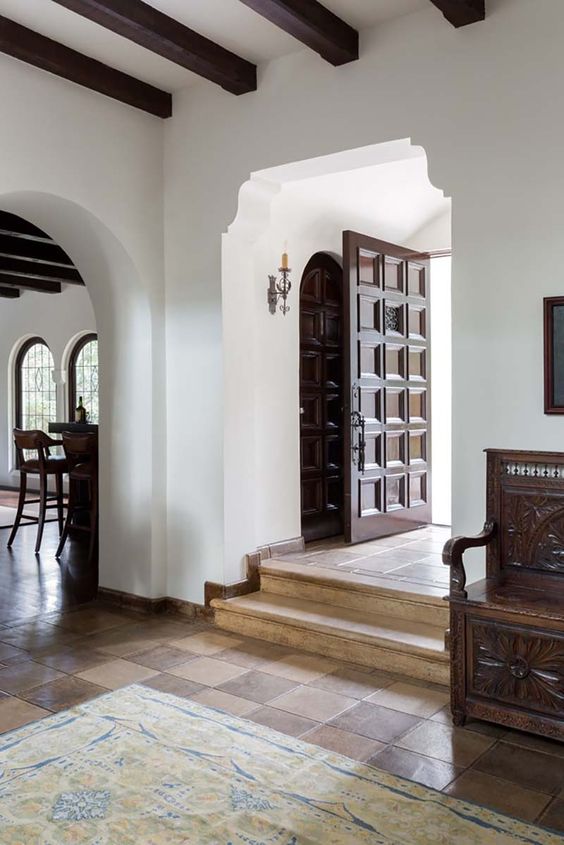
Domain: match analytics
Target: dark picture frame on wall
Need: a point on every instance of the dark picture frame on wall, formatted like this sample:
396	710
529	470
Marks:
554	355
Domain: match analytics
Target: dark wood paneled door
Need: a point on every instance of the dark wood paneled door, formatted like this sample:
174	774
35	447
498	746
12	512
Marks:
321	397
387	388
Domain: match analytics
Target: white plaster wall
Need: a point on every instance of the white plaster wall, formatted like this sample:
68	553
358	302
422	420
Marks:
88	171
482	102
57	319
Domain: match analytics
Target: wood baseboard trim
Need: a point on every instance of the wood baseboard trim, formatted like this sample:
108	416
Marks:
284	547
212	589
160	606
251	584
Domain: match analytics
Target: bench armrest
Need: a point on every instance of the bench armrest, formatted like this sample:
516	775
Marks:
453	552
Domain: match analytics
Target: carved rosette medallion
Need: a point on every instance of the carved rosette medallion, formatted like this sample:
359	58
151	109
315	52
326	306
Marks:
518	667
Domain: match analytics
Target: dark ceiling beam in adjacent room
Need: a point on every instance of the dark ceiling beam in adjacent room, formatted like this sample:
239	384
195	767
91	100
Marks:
39	285
37	270
312	24
169	38
12	224
37	50
18	246
462	12
9	293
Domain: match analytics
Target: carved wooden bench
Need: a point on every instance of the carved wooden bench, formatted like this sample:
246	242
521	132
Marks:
507	631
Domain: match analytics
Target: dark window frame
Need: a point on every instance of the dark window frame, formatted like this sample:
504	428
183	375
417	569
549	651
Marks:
71	369
22	352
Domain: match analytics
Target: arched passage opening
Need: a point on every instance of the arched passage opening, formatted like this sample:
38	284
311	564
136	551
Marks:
131	468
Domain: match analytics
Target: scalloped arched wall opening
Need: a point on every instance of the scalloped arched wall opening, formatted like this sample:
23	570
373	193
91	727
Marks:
260	355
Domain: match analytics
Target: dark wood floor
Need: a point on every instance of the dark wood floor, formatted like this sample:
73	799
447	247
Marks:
31	585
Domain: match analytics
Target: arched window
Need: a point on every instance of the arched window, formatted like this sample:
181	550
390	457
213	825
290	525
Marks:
36	392
83	376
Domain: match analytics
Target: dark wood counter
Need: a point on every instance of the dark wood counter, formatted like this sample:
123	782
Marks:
76	428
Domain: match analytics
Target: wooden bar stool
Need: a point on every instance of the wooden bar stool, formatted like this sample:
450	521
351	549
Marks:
81	453
44	465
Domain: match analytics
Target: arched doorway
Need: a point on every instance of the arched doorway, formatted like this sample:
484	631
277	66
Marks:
131	499
321	397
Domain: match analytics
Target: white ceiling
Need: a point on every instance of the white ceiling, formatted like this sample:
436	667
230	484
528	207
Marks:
228	22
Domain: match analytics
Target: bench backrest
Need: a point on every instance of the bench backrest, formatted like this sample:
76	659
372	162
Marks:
525	497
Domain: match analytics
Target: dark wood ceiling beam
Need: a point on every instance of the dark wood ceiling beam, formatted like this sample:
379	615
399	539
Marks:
39	285
312	24
36	270
18	246
18	226
161	34
37	50
462	12
10	293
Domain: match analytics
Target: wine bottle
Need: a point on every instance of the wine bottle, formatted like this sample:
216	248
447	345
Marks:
80	412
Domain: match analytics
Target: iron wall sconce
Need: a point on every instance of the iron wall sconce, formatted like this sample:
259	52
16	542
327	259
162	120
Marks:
278	289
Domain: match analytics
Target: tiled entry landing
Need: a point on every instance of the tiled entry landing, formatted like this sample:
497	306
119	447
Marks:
412	558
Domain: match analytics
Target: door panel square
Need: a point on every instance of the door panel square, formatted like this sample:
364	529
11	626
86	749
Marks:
395	361
370	496
417	322
395	494
368	268
332	291
332	329
416	280
417	489
417	363
371	403
311	454
370	360
395	405
310	327
373	450
369	314
417	406
311	287
333	411
333	494
311	368
334	453
393	274
312	497
417	446
395	448
333	370
311	416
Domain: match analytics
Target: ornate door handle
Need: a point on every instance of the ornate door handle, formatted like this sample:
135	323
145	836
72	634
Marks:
358	422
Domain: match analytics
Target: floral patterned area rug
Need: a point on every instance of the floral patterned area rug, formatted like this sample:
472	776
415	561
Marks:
140	767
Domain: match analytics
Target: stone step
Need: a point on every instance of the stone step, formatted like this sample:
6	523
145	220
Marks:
413	649
357	592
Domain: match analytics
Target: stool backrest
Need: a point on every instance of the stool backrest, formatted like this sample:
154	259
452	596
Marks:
33	440
80	448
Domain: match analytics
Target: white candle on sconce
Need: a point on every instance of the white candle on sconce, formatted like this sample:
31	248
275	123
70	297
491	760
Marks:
284	265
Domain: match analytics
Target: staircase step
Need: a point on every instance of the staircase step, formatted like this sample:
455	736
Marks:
374	595
413	649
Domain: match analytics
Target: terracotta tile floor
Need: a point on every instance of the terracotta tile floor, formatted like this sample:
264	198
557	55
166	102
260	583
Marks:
56	652
412	558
